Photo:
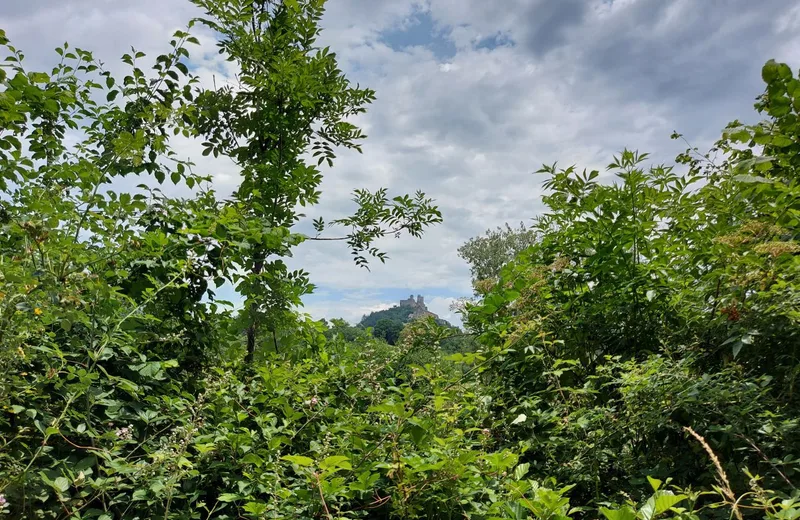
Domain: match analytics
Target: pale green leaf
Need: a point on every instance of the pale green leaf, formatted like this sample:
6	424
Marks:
521	470
335	462
299	460
624	513
61	484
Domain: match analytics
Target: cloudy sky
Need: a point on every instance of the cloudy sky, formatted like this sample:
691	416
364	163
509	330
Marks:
472	97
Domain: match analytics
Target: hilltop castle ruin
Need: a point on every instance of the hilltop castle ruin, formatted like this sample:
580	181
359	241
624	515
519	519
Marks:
418	306
410	302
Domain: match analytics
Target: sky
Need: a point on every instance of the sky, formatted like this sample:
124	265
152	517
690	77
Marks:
472	97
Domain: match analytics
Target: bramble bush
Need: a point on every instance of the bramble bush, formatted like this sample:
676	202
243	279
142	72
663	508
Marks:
638	360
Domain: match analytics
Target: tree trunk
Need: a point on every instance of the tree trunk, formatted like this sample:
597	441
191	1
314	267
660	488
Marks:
251	328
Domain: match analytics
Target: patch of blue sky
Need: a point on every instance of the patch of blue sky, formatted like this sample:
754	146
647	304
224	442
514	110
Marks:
420	30
494	41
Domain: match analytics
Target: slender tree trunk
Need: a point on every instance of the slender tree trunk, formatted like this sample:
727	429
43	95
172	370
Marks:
251	341
251	328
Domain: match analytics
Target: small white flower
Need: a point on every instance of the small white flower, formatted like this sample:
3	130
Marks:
124	433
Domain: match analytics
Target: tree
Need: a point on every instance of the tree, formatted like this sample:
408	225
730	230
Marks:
487	254
290	101
388	330
340	327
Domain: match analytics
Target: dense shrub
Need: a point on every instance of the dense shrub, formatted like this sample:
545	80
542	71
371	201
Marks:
659	301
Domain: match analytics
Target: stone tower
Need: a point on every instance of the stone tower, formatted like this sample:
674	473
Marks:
418	308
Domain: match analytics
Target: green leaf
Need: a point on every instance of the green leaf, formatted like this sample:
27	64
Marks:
204	447
335	462
39	77
659	502
624	513
229	497
666	501
737	347
299	460
252	458
654	483
417	432
521	418
157	486
61	484
750	179
256	508
741	136
781	141
770	71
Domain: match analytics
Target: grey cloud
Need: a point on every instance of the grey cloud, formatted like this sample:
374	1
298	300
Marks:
688	58
699	59
548	23
107	28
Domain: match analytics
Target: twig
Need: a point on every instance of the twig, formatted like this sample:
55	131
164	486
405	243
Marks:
766	459
322	497
78	445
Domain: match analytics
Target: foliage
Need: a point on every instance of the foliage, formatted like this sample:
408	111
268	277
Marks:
635	359
396	313
349	333
656	302
487	254
291	101
387	330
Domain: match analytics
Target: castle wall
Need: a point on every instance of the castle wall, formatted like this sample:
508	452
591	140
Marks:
418	303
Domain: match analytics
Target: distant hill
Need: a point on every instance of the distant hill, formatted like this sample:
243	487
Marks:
399	313
405	311
388	323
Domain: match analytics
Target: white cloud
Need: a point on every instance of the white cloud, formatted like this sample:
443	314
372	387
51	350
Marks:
441	307
351	307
